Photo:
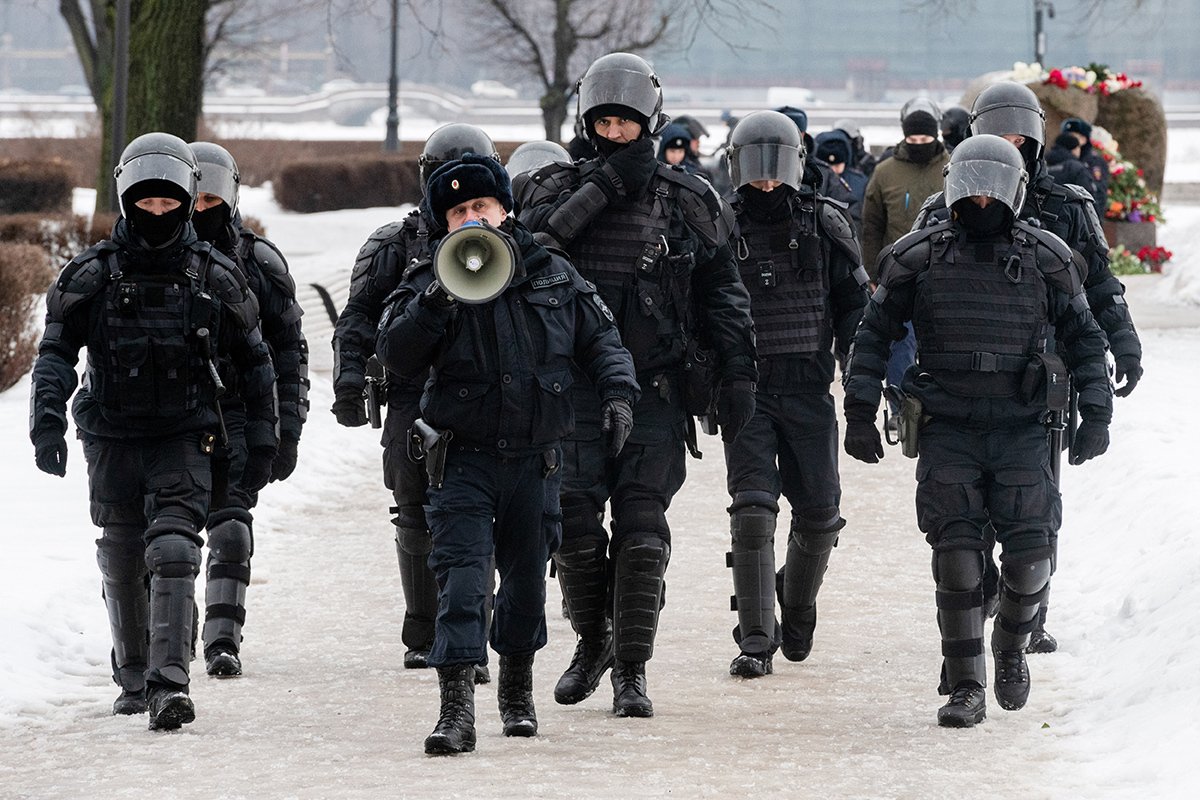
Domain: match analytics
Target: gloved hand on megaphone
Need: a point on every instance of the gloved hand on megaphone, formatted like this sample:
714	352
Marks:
437	297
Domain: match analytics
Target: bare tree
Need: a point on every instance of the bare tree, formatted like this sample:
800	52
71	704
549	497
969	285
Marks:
553	41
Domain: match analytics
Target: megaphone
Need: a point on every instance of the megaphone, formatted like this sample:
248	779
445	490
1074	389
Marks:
475	263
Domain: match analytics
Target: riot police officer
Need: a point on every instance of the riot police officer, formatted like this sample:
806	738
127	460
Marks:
654	239
1011	110
380	263
801	263
527	158
153	306
494	411
977	401
218	221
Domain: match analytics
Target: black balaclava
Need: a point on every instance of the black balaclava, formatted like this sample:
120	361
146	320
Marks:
604	146
767	206
983	223
923	153
156	230
211	224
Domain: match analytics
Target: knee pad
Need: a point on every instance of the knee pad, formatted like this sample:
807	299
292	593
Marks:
1026	579
230	541
641	517
752	527
120	554
414	541
173	555
581	520
815	530
408	516
958	570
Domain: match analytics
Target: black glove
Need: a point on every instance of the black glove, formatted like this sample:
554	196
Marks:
1129	369
1091	440
437	297
862	441
285	459
50	453
257	470
735	407
349	407
617	422
634	164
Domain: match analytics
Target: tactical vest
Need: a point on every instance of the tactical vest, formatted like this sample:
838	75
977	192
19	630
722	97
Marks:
980	312
784	265
153	362
642	264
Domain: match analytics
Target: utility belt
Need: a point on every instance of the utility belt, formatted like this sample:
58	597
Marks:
427	443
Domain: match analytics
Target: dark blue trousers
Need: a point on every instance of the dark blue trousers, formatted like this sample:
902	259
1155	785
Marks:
491	504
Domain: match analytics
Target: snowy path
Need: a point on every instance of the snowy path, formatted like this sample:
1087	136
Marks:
326	711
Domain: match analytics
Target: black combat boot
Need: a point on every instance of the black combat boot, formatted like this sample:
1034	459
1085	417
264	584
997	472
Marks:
1011	683
221	661
966	707
169	708
751	665
515	695
455	730
798	626
131	701
1040	641
592	658
416	658
629	690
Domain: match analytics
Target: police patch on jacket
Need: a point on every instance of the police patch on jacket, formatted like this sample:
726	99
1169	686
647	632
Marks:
603	308
550	280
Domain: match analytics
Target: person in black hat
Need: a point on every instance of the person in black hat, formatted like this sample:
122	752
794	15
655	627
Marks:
495	409
836	151
894	196
956	126
1064	164
674	147
1082	132
377	271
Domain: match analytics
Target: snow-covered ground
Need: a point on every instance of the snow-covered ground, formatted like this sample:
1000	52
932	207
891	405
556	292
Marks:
326	710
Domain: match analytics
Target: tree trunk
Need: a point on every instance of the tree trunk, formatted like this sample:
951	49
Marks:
554	113
166	68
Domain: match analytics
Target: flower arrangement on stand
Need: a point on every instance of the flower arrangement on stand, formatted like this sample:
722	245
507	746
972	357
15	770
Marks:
1093	79
1129	199
1122	261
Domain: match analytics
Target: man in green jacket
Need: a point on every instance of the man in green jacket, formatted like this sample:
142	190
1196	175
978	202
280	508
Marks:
901	183
895	193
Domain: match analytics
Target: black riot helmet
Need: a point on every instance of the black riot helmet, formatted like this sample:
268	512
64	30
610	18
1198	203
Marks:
218	173
534	155
450	142
986	165
1008	107
766	145
157	164
620	79
956	125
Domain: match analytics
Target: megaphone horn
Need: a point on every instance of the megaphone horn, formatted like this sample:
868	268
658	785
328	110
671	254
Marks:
475	263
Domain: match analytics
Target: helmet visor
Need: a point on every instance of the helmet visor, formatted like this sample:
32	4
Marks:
1002	182
765	162
219	180
1001	120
